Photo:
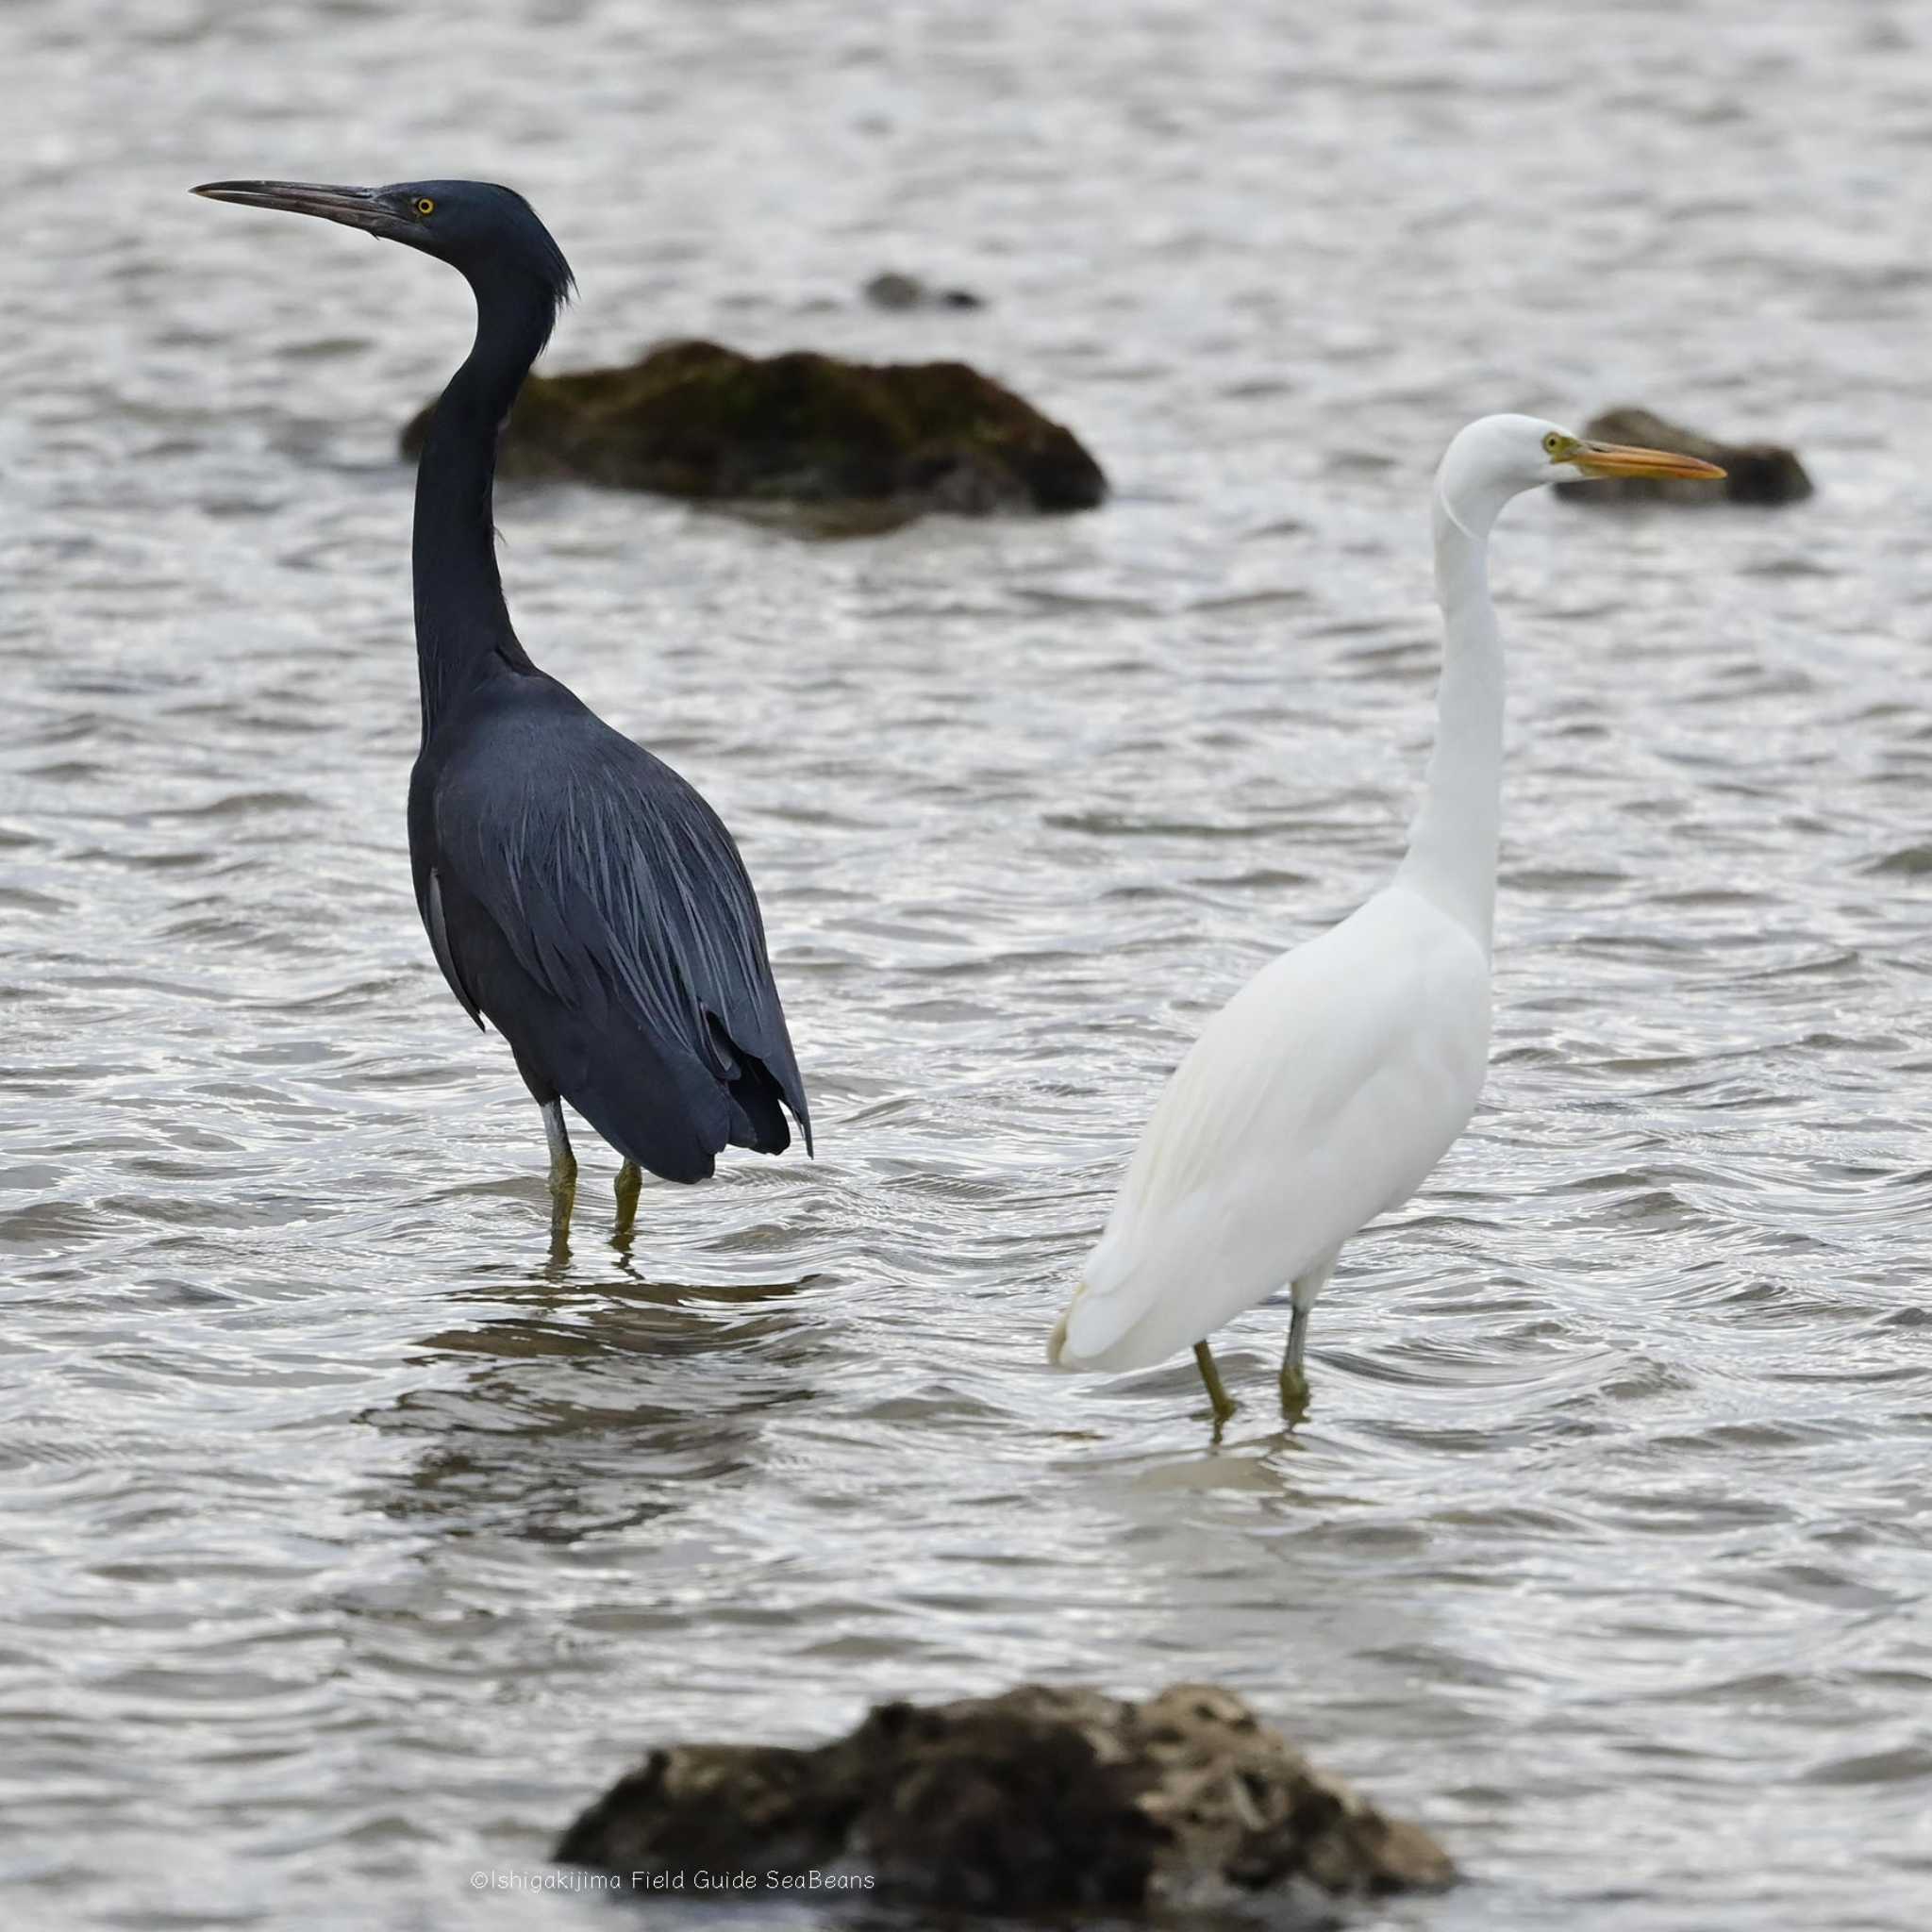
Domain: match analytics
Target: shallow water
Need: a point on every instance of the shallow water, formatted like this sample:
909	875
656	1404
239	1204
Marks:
349	1546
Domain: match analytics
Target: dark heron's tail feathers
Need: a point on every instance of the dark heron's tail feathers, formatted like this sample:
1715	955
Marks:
673	1114
755	1098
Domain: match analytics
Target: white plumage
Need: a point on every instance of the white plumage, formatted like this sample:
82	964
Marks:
1281	1133
1324	1093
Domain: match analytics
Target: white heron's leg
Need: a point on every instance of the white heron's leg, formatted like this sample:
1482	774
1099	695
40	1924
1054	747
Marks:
1295	1375
630	1179
1204	1360
1294	1371
563	1176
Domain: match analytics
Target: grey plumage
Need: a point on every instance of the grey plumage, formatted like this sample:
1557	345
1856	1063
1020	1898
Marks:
583	896
576	891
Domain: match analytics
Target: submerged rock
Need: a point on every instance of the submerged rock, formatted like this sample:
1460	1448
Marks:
893	290
1042	1799
1757	472
694	419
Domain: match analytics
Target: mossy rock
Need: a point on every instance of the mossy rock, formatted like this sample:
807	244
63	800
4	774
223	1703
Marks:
1041	1800
698	421
1754	473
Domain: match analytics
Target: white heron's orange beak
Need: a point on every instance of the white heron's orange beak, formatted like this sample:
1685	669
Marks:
1624	460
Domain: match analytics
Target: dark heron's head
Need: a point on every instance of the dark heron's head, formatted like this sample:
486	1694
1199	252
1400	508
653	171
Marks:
477	227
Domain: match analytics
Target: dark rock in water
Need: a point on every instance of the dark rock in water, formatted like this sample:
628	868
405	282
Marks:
694	420
1757	472
893	290
1040	1800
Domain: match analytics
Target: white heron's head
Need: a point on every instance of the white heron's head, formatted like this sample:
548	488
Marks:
1500	457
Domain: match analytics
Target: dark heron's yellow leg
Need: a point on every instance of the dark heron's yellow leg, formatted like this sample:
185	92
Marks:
630	1179
1204	1360
563	1178
1294	1373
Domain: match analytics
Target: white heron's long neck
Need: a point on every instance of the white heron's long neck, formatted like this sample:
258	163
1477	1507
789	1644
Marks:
1452	844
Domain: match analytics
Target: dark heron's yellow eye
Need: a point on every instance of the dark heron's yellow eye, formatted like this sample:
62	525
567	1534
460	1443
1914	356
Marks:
424	206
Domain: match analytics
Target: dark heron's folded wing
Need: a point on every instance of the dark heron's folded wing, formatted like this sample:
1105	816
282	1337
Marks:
625	904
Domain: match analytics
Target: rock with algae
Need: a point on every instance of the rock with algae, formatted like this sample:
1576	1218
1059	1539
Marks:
1754	473
695	420
1042	1799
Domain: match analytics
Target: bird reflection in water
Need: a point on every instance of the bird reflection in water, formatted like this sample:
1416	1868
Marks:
589	1408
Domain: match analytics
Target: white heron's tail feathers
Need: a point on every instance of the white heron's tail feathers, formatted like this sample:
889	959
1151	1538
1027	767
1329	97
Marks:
1058	1340
1086	1338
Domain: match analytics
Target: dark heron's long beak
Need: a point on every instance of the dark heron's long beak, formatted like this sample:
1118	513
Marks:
357	208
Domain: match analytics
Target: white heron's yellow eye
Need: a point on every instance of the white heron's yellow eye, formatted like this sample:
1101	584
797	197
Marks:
424	206
1553	443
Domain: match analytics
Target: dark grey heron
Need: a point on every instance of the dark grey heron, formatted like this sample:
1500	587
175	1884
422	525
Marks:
576	891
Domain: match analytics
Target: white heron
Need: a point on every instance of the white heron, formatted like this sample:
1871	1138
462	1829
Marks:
1322	1093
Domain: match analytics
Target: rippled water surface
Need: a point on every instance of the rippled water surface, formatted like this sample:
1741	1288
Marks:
349	1546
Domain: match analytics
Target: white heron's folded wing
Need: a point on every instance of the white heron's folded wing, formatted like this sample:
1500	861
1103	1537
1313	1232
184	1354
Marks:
1319	1096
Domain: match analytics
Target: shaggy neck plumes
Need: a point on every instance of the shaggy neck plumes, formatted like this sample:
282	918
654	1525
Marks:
1452	848
462	624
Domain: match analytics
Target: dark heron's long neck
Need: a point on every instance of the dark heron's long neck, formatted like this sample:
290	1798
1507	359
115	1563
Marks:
462	624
